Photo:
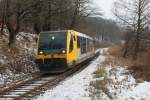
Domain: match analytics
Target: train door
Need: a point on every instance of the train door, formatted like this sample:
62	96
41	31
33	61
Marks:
72	48
79	46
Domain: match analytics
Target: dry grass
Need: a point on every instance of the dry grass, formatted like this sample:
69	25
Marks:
140	67
100	85
100	72
115	51
115	58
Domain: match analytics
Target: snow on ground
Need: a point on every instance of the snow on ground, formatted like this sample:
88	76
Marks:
125	87
140	92
121	85
74	88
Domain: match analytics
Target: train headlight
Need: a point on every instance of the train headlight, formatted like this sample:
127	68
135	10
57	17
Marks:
41	52
63	51
53	38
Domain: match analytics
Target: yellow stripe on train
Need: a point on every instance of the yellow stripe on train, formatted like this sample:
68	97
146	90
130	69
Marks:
50	56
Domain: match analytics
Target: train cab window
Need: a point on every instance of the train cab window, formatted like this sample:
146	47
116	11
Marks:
74	38
71	44
52	42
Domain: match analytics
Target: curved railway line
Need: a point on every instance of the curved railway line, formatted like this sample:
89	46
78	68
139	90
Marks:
28	89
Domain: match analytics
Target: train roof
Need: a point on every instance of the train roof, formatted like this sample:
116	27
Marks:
78	33
54	31
83	35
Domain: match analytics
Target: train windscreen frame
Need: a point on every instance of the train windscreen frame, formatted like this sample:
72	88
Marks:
52	42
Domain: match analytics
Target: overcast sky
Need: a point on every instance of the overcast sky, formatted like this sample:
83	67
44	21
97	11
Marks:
105	6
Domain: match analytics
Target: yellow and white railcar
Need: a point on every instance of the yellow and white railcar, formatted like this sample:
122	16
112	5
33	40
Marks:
60	50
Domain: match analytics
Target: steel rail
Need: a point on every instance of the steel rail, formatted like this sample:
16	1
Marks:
27	87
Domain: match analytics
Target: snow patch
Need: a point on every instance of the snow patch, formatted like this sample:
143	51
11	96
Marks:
74	88
124	87
19	61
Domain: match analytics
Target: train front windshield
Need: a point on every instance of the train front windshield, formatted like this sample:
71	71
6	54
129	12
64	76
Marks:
52	42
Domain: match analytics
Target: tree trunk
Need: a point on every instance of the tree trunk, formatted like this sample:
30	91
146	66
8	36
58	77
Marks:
2	24
125	49
2	27
74	18
137	46
3	16
49	16
12	34
12	37
138	32
36	28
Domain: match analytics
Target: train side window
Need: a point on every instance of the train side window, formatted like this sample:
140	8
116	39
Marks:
88	46
83	48
79	42
82	45
71	44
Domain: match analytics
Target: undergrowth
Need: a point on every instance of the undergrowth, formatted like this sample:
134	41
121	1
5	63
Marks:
140	68
100	84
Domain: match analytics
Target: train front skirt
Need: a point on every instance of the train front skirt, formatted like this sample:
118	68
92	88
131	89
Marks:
52	65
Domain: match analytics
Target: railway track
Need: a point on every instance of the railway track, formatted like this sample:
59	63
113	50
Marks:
27	89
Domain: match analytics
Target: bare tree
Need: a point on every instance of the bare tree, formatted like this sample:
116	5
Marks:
3	14
15	12
134	14
44	15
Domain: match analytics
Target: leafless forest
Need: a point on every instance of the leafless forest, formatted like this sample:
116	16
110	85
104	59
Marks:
42	15
130	32
135	17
